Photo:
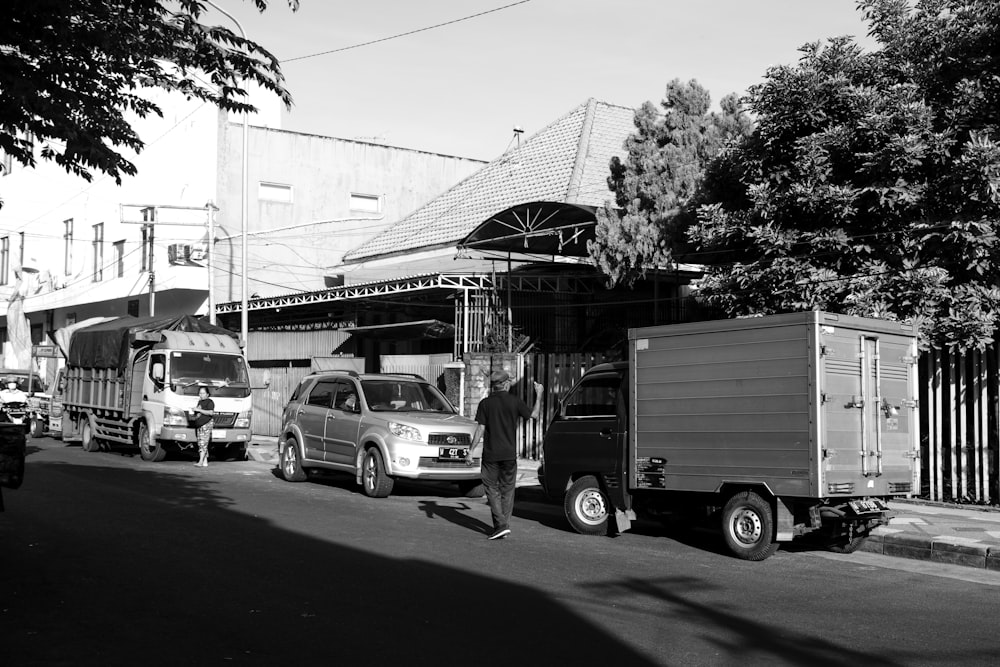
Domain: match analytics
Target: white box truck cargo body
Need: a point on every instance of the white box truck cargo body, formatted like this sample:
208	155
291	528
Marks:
812	415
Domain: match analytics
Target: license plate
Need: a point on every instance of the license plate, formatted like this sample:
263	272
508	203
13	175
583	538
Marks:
868	505
218	433
452	453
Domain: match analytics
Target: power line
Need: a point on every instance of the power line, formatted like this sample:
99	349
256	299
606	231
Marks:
404	34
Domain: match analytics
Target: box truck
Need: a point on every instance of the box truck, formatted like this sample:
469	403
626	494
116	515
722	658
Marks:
771	428
131	382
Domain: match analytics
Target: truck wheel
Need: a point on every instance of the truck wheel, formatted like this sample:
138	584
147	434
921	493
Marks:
847	546
291	466
587	507
374	480
37	428
748	526
87	440
471	488
149	449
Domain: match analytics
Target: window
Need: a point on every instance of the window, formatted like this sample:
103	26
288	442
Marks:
120	258
274	192
98	252
133	307
322	394
366	203
4	260
594	397
144	259
68	246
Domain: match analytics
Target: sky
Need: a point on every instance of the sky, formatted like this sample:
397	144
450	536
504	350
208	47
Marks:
460	89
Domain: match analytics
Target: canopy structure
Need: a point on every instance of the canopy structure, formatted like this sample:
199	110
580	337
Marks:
537	228
406	330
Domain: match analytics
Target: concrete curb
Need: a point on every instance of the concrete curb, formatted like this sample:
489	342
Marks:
940	549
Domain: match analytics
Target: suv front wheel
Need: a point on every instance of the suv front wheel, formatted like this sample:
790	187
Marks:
291	464
375	481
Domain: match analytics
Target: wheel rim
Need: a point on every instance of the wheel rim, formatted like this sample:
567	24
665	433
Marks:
86	436
291	460
144	443
591	507
371	471
746	526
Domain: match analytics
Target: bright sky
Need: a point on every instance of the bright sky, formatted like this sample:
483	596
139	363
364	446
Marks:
461	88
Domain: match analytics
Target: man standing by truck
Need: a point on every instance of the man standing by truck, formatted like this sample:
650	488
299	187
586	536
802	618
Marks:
498	414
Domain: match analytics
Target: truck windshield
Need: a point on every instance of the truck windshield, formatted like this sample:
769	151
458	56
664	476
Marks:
223	374
404	396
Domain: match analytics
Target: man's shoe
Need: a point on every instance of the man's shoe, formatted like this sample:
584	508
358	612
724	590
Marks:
499	534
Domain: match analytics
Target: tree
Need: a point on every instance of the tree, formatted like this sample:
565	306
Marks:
655	186
72	71
871	182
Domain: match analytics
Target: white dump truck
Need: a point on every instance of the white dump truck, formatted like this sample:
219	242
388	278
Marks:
130	382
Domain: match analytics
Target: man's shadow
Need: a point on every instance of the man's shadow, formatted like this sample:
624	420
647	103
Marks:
455	514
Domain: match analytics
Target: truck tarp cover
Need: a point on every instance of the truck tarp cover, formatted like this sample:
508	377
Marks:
106	345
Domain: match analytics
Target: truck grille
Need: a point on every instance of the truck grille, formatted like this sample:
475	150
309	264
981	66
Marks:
224	419
441	439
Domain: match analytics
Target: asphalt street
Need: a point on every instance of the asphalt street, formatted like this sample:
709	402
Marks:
109	560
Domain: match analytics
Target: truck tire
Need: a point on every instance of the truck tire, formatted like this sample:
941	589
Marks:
87	440
374	480
748	526
587	507
149	449
291	464
37	428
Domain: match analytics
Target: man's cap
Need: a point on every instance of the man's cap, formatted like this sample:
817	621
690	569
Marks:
498	377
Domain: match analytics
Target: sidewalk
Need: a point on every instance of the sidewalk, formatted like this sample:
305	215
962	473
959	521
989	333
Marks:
967	535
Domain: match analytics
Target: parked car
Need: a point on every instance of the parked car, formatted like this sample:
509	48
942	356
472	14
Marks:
377	428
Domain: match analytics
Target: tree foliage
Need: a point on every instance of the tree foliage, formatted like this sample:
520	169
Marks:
73	71
871	182
657	183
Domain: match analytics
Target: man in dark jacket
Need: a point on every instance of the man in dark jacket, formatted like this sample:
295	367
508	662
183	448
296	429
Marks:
498	414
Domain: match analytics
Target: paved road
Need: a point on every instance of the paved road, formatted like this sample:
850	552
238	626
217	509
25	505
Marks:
107	560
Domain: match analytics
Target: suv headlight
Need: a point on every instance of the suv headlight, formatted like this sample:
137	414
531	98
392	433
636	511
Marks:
174	417
404	431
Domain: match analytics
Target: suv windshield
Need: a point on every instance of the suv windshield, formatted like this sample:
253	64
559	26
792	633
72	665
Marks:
225	374
404	396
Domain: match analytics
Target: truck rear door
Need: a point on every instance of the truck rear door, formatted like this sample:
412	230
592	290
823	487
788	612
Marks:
869	413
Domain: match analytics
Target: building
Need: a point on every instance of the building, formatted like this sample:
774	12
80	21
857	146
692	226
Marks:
72	249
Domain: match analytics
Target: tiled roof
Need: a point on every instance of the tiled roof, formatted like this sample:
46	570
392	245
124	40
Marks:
567	161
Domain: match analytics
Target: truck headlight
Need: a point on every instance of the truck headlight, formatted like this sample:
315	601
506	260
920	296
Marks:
404	431
174	417
243	419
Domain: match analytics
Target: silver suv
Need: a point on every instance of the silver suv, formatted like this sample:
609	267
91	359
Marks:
378	428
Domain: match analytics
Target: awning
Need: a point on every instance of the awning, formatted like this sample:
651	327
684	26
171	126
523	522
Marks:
544	228
406	330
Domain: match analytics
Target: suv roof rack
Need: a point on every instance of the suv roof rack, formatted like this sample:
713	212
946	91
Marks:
407	375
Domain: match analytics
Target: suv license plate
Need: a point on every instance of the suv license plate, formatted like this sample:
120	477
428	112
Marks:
218	433
453	453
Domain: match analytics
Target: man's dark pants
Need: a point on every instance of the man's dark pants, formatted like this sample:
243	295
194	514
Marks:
500	478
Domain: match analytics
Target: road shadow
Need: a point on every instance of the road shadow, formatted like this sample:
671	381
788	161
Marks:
455	513
102	561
